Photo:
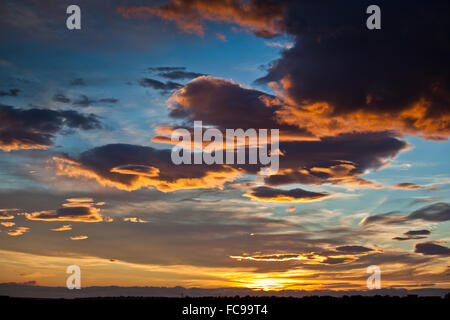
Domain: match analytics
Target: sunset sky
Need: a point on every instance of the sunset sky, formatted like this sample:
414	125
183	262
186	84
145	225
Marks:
85	123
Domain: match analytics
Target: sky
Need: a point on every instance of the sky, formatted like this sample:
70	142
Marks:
363	115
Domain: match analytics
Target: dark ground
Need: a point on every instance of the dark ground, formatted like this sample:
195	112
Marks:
277	308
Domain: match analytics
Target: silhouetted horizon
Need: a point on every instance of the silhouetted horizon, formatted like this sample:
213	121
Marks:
28	290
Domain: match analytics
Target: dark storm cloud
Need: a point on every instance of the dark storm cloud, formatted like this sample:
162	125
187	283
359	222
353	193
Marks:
165	87
437	212
36	128
10	93
279	195
402	70
431	248
353	249
175	75
77	82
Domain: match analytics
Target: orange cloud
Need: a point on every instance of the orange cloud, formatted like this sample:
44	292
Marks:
18	231
162	175
78	237
15	144
63	228
311	258
7	224
78	210
322	119
5	214
262	18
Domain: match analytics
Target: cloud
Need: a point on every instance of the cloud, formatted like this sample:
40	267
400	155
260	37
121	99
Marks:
131	167
85	101
4	215
353	249
320	77
408	186
333	261
228	104
134	220
36	128
108	100
279	195
175	75
431	248
165	87
342	255
262	18
335	160
309	257
408	238
437	212
78	237
10	93
167	69
18	231
417	232
7	224
413	235
63	228
72	210
278	44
